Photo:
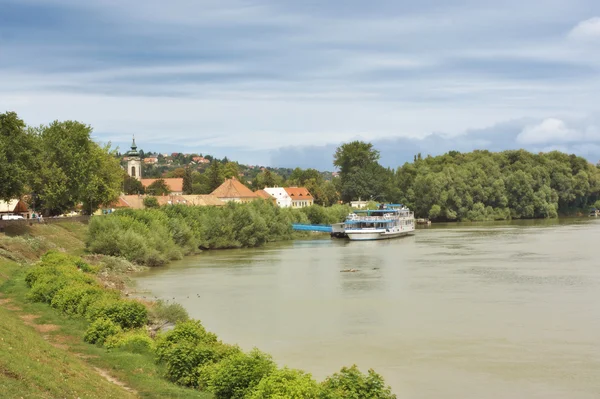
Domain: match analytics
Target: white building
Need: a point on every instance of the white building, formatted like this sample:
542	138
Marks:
280	195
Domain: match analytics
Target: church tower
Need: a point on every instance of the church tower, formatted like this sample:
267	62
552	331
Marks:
134	164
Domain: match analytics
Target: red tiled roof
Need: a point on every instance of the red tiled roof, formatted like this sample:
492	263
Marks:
175	184
264	194
232	188
298	193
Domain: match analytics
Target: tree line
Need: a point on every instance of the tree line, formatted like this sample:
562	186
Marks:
479	185
57	167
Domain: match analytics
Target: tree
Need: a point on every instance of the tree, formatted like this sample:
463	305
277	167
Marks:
266	178
17	156
231	170
150	202
158	187
73	169
131	185
177	173
215	175
103	184
351	383
187	182
359	171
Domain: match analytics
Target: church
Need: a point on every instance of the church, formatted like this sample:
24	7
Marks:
134	169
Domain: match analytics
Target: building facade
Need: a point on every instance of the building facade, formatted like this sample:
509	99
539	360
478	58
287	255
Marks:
281	196
300	197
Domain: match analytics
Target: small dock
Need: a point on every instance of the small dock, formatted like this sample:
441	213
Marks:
321	228
336	230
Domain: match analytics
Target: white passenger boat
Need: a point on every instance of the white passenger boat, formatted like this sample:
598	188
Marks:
389	221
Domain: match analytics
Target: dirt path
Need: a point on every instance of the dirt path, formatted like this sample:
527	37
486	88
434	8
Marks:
59	341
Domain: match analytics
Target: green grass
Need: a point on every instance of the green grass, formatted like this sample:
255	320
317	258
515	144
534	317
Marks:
30	367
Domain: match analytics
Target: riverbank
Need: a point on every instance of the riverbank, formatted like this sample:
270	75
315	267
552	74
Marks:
43	352
65	295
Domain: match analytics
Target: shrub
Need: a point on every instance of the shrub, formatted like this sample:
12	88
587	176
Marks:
151	202
100	330
190	331
126	314
183	359
286	384
351	383
69	298
171	313
135	341
236	376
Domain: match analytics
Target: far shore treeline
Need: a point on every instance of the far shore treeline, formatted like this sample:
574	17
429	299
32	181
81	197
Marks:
58	168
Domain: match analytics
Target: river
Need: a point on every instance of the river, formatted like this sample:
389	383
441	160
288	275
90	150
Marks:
495	310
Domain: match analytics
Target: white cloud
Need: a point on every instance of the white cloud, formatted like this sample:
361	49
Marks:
553	131
585	30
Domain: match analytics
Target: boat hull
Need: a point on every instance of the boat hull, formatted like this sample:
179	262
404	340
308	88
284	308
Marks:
376	235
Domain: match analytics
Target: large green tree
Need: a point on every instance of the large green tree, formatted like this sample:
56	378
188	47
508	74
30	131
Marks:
18	147
73	169
360	173
188	185
216	176
158	187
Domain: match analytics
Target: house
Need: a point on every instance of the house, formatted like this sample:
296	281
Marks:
283	200
233	190
151	161
14	207
359	204
335	174
266	196
175	184
300	197
200	160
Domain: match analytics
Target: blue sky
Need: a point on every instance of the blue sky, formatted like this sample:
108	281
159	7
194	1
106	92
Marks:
282	83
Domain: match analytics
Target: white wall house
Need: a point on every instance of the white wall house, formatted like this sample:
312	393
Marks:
280	195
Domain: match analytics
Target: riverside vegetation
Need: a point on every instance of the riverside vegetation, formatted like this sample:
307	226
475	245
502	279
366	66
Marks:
188	355
154	236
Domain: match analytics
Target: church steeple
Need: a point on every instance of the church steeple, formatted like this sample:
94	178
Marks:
133	152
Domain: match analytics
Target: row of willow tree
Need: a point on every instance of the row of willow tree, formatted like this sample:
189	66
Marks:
480	185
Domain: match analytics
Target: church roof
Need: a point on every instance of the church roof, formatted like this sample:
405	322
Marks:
232	188
133	152
175	184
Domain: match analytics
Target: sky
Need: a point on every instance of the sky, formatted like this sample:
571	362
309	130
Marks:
284	82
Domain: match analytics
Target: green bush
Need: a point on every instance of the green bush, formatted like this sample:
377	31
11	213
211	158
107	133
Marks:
168	312
237	375
191	331
286	384
100	330
351	383
69	298
183	359
135	341
126	314
151	202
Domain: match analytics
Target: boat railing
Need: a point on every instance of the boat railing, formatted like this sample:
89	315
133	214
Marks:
386	217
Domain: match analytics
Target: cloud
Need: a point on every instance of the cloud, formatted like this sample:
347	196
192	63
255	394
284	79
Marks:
548	131
555	131
586	30
280	80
